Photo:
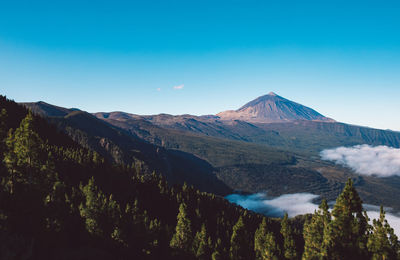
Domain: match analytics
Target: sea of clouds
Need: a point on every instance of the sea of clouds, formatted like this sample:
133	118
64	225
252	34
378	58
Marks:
379	161
293	204
298	204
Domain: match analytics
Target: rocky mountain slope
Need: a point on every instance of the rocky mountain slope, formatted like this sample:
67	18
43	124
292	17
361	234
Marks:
274	121
272	108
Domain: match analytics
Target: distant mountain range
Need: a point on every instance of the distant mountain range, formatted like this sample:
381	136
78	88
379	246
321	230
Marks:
268	120
270	144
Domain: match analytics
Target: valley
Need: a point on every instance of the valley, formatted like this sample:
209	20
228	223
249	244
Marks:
245	153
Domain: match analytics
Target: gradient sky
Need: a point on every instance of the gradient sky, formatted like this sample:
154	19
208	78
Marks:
341	58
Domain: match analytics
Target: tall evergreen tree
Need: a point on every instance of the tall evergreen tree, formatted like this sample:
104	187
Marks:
316	233
217	254
182	239
24	156
349	227
239	243
382	242
101	213
289	246
200	244
265	244
3	131
259	239
3	136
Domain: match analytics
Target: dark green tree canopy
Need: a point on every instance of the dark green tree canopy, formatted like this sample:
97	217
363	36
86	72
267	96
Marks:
382	242
349	227
239	241
182	239
289	247
316	233
265	243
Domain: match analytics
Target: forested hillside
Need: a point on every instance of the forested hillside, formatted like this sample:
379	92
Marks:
59	200
118	146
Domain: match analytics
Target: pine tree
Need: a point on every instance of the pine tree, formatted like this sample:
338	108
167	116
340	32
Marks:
382	242
259	239
3	136
289	247
217	254
134	227
265	245
24	156
3	131
200	244
101	213
182	239
56	206
239	243
316	232
349	227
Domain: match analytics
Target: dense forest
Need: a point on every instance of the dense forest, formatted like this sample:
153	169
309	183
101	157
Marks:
59	200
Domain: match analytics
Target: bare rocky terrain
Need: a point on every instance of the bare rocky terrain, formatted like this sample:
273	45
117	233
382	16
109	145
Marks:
272	108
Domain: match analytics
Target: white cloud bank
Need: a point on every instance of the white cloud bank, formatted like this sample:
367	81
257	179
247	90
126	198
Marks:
300	203
293	204
179	87
380	161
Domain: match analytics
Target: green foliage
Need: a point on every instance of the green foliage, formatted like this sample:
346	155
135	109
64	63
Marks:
382	242
24	157
182	239
347	235
289	246
202	244
218	251
349	227
239	242
3	129
265	244
316	233
101	213
216	256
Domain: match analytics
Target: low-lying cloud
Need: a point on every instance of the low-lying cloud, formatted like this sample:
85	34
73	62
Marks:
300	203
293	204
380	161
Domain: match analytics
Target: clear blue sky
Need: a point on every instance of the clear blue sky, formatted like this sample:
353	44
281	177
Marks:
341	58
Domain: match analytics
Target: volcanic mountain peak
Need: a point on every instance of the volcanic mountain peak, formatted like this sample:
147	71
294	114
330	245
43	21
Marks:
269	98
272	108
